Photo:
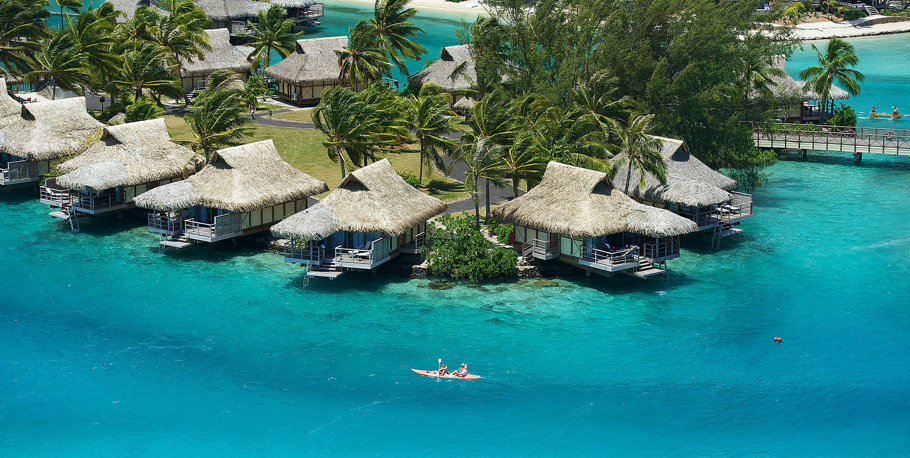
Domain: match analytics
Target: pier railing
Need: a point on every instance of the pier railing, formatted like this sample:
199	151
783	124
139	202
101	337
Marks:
379	250
860	139
19	170
612	258
54	195
539	249
97	203
162	221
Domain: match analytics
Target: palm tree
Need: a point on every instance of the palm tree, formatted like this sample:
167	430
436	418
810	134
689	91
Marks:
145	68
136	29
391	20
832	65
59	62
640	150
492	132
181	33
522	162
71	5
23	24
430	117
216	121
94	41
362	61
273	31
758	74
349	126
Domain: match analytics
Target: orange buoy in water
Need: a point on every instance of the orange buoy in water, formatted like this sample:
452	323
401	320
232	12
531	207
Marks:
778	339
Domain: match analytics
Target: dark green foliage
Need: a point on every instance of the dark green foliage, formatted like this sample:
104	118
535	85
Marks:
502	231
843	116
852	15
143	110
460	251
410	179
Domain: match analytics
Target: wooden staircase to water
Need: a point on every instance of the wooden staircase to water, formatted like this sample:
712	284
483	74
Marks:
328	268
68	214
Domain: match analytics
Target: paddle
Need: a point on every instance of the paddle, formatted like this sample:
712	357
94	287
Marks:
439	367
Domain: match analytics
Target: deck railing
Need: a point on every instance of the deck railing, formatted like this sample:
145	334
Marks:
611	258
305	251
659	250
379	250
223	225
703	216
861	139
95	203
162	221
539	249
19	170
55	195
418	241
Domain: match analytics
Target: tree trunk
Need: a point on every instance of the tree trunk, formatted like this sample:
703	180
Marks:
54	82
514	184
629	177
207	156
341	162
422	156
476	198
486	218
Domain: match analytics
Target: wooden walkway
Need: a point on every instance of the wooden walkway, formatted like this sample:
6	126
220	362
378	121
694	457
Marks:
856	140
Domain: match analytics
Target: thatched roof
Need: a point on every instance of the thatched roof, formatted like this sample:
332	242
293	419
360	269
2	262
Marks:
50	130
225	10
789	86
371	199
440	71
464	105
582	203
689	180
9	107
222	56
313	62
127	155
243	178
129	7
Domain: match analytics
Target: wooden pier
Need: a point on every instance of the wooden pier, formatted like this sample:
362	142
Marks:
854	140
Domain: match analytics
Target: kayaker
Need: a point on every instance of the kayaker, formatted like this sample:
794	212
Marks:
462	371
443	370
873	114
894	113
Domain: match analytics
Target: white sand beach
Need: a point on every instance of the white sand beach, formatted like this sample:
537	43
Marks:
857	28
469	7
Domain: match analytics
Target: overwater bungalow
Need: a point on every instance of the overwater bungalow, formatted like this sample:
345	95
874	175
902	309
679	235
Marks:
41	133
310	70
245	190
576	216
693	190
128	160
369	219
807	103
222	56
442	71
234	14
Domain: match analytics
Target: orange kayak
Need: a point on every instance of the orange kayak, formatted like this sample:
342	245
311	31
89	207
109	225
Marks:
449	375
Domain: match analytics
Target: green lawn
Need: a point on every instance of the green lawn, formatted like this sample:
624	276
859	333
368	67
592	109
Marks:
304	115
302	148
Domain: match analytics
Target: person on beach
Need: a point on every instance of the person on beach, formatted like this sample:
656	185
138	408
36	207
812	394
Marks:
462	371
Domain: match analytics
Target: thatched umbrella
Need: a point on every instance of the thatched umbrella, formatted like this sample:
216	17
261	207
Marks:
222	56
244	178
313	62
582	203
689	180
50	130
371	199
441	70
127	155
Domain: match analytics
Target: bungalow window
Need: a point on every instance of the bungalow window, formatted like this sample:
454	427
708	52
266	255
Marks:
337	239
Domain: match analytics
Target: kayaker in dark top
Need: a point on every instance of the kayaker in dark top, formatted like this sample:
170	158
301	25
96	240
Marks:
443	370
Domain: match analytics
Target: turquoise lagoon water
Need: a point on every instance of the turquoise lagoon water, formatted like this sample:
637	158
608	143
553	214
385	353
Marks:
109	348
885	60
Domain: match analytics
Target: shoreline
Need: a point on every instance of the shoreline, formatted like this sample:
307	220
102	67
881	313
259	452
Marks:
876	26
465	7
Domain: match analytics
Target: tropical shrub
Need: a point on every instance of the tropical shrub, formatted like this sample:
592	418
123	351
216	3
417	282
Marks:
410	179
843	116
460	251
502	231
850	14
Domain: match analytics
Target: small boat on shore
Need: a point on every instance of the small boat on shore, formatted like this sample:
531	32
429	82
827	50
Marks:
448	375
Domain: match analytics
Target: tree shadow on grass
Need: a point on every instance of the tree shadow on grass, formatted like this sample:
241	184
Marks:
440	187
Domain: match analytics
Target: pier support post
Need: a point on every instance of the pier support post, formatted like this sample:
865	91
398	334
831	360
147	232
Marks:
857	158
234	242
803	154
